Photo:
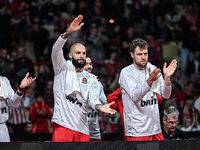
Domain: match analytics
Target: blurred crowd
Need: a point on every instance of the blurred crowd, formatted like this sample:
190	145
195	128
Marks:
28	29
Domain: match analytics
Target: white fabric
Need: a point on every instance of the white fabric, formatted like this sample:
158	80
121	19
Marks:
156	85
3	88
71	111
140	104
71	80
93	120
4	135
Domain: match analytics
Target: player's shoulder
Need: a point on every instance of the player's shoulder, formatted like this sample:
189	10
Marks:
4	78
127	68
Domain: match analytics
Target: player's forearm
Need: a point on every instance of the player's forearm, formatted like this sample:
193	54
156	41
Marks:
167	81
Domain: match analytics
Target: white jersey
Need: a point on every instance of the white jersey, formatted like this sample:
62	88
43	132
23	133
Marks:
140	104
12	101
93	120
71	111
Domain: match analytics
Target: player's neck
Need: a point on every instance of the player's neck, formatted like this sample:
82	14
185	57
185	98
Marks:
79	69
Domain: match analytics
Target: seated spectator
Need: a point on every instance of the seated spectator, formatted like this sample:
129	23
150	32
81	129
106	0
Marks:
105	124
6	66
170	122
48	94
189	125
39	114
23	64
189	110
29	127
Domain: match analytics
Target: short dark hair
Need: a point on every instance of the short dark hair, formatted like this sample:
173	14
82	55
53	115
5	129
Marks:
189	97
142	44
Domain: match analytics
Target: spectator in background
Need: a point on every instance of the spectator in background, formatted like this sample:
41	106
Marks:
170	121
29	127
48	10
47	57
6	66
18	8
105	124
189	110
177	78
5	17
39	39
13	55
189	125
39	113
23	64
115	40
99	41
48	94
193	67
190	90
126	43
155	46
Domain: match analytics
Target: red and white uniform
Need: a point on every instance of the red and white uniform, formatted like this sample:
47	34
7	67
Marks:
141	111
71	111
17	115
93	121
12	101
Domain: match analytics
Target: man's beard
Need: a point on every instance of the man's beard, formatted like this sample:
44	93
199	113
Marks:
77	64
140	65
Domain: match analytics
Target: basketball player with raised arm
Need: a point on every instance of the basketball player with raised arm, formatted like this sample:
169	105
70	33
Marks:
140	83
10	99
74	90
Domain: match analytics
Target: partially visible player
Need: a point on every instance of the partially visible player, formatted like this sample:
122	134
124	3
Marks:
10	99
116	96
93	121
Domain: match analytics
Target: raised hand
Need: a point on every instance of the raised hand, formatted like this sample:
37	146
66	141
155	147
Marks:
75	25
168	71
27	81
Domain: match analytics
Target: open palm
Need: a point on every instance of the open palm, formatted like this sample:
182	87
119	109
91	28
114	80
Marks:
75	25
168	71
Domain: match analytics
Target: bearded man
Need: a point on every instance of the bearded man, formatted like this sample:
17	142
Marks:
140	83
74	90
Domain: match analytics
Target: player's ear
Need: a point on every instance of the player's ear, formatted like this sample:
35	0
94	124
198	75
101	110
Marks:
131	53
70	55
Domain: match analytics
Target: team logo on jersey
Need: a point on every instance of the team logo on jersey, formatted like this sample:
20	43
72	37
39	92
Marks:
84	81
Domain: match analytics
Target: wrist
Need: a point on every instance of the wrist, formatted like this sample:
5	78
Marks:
20	90
66	34
98	106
